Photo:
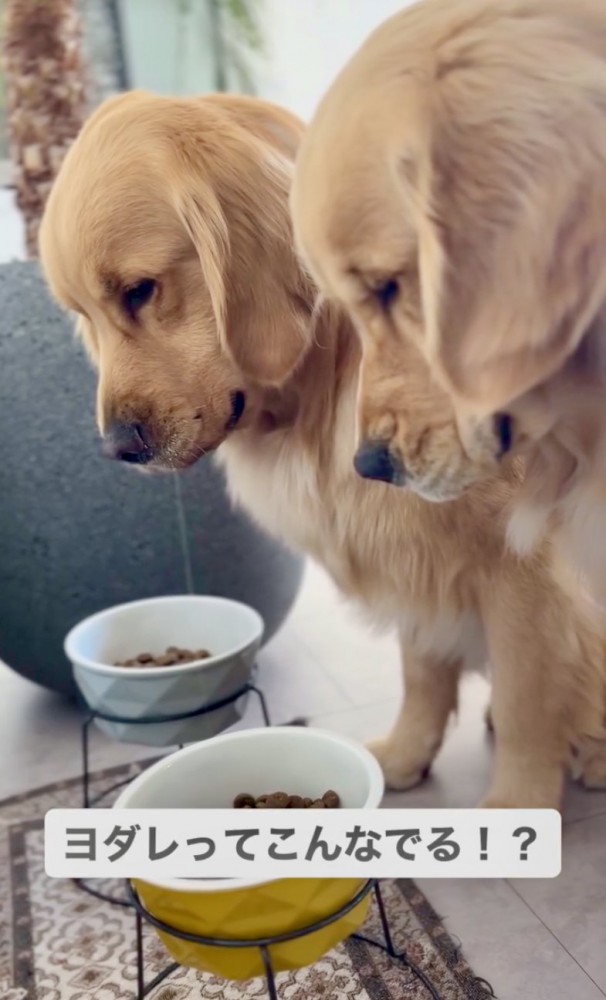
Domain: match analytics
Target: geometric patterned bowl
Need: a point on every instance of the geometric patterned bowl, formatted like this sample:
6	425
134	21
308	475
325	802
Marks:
208	775
257	911
231	631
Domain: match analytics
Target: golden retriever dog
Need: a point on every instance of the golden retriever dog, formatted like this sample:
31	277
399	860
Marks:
450	192
168	234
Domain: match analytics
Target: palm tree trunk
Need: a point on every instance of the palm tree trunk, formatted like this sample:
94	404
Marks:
45	97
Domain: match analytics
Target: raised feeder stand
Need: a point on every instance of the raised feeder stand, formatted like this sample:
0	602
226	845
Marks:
263	944
213	706
91	714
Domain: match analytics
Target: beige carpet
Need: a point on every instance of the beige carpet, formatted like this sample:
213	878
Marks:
58	943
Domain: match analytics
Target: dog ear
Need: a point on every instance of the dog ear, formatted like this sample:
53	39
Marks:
513	246
238	219
270	299
198	208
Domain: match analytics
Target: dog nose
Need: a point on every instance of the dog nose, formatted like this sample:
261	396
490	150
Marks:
128	443
374	460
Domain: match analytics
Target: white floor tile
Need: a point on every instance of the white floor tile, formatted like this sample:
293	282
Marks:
40	738
573	906
506	943
364	664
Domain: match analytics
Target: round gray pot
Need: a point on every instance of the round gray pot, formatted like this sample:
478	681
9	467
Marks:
79	533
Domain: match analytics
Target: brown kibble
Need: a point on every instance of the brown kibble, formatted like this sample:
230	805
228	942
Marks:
173	657
282	800
244	801
164	661
278	800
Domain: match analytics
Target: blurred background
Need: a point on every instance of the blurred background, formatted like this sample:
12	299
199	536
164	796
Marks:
62	57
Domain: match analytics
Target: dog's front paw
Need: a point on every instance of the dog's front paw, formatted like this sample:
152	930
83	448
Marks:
402	767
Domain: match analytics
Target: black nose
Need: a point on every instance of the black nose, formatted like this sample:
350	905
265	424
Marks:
374	460
128	443
504	430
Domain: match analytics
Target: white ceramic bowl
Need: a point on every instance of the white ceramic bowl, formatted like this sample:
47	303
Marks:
209	775
231	631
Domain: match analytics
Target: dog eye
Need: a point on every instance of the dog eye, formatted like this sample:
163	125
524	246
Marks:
387	293
503	426
139	295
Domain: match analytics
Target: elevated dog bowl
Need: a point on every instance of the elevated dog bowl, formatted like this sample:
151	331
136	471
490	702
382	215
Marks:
231	631
210	775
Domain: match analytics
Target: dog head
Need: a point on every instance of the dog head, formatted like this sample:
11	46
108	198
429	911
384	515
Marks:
408	433
449	193
167	232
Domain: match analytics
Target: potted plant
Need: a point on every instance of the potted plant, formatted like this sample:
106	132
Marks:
183	47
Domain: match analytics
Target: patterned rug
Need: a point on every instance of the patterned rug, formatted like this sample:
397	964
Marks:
58	943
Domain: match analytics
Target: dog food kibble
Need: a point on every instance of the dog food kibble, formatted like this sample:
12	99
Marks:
244	801
281	800
173	657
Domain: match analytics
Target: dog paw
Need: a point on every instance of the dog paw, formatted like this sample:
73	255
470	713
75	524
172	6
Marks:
402	770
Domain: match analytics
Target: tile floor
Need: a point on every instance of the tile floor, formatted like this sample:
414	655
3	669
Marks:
533	940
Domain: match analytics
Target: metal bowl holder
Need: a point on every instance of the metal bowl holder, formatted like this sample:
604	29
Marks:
132	901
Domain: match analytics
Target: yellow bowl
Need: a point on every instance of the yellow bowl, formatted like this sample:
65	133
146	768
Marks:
210	775
272	908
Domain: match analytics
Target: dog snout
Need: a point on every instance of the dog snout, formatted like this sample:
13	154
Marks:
129	443
375	460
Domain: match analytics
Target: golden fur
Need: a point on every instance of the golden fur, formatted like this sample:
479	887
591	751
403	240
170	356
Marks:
194	195
461	156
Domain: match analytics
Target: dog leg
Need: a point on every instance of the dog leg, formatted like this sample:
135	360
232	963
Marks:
430	695
532	696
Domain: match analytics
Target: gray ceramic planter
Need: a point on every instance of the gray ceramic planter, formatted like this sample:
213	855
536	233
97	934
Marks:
78	533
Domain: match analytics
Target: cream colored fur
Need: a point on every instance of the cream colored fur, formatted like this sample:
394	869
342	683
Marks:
193	195
461	155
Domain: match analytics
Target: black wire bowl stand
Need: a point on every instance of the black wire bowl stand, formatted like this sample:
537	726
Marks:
89	802
263	944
